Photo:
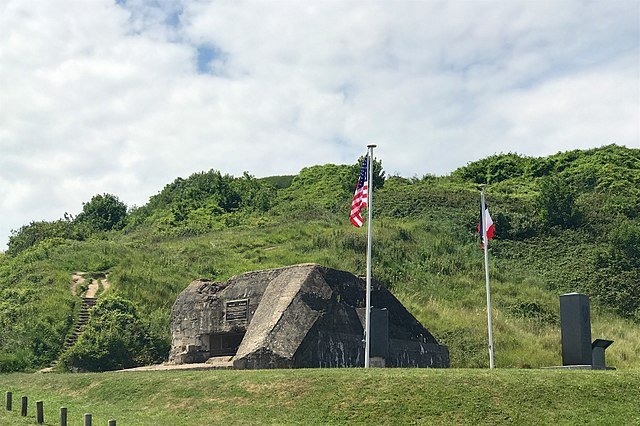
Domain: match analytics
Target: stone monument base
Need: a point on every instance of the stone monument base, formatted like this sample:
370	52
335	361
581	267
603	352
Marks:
576	367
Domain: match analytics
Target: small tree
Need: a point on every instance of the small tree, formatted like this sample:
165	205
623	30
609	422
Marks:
103	213
378	174
115	338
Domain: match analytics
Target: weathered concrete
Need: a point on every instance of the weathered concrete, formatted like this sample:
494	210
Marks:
298	316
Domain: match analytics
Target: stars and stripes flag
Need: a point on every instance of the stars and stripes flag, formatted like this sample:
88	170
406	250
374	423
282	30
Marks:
360	198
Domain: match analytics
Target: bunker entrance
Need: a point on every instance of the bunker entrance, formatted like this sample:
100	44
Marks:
225	344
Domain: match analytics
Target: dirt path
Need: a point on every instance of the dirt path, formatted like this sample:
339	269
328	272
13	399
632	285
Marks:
77	279
94	286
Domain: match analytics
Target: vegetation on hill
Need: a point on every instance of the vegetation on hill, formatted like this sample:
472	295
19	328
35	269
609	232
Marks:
115	339
567	222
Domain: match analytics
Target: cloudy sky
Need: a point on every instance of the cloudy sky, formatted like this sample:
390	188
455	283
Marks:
122	97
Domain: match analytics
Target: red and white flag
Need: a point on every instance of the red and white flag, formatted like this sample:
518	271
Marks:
488	225
360	198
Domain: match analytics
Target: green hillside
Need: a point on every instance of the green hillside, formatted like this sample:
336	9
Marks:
567	222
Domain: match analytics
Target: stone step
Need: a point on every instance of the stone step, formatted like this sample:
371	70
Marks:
83	318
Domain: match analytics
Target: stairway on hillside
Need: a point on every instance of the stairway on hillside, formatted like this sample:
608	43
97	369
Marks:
83	318
88	301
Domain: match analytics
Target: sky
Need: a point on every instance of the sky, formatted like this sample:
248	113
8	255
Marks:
122	97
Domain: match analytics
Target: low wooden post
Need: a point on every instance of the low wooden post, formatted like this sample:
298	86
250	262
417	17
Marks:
87	419
39	412
63	416
23	411
112	422
8	397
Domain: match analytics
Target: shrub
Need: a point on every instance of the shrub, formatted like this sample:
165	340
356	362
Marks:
556	203
30	235
115	338
103	213
625	242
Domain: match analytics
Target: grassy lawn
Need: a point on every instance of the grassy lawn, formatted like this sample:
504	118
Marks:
331	396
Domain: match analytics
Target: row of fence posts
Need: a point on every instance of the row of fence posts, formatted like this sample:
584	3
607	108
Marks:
40	411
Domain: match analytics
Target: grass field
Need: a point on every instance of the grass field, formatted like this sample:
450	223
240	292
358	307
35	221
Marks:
331	396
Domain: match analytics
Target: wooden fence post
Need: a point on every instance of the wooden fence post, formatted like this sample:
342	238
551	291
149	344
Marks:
23	411
63	416
39	412
8	397
87	419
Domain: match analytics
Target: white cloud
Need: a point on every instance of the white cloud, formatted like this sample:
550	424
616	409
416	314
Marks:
99	96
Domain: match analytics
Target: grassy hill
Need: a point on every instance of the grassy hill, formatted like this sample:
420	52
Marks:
567	222
332	396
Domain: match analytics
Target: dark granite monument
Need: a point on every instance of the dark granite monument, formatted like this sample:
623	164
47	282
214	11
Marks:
575	328
301	316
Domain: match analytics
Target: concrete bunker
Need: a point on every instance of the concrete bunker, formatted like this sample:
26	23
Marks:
301	316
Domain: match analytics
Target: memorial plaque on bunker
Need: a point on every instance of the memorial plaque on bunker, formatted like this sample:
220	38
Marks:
236	310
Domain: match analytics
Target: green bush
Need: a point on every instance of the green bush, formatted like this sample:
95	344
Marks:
617	278
115	338
19	359
515	225
534	311
103	213
556	203
625	244
30	235
202	202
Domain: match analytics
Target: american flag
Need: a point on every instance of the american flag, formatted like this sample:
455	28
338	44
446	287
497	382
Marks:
361	196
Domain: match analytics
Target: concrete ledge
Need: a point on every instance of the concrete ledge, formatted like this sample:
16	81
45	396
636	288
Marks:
576	367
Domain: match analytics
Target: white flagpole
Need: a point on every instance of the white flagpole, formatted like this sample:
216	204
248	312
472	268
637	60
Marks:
367	333
486	273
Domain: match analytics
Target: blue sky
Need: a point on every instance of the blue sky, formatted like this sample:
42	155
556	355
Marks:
123	96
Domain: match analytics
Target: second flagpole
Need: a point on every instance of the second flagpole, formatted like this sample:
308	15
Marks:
485	244
367	334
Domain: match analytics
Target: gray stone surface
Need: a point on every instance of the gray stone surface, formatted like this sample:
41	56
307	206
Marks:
298	316
575	329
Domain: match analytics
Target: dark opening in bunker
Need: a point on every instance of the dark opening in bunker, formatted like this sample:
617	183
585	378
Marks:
225	344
